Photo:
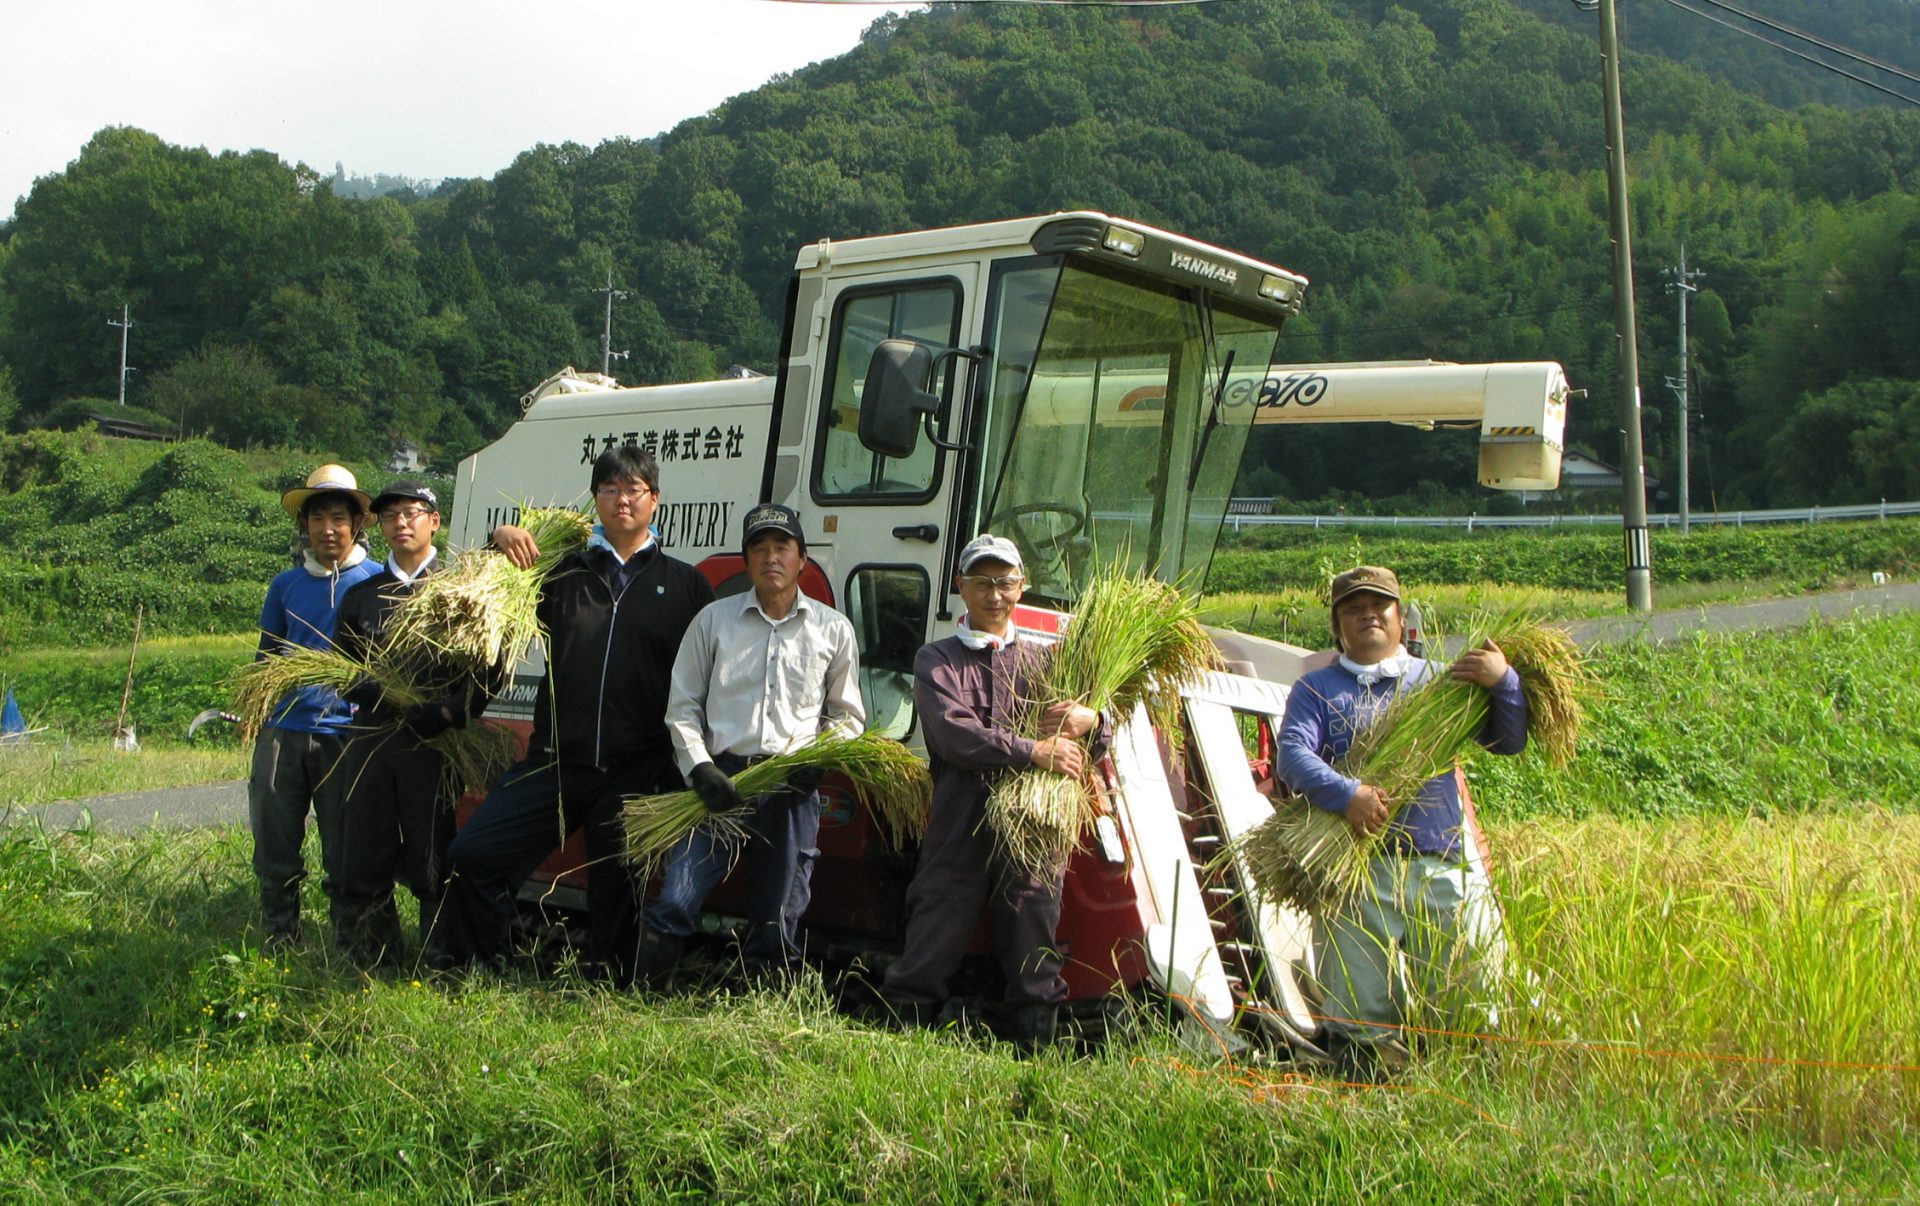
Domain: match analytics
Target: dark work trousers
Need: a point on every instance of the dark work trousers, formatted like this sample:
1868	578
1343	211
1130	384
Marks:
398	823
516	827
781	846
960	874
294	772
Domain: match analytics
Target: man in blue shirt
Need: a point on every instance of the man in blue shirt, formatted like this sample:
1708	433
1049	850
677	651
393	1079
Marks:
1422	902
295	756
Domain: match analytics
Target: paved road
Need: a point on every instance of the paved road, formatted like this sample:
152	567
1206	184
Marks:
226	803
129	812
1740	617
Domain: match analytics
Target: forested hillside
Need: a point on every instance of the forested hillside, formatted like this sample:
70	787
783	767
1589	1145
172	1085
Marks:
1433	165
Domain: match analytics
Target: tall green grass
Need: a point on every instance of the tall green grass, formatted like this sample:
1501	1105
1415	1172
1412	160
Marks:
1760	971
51	771
147	1052
76	691
1737	724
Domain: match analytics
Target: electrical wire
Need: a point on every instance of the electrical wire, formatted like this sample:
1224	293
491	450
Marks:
1798	54
1815	39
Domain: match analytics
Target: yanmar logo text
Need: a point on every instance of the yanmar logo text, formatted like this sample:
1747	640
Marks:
1218	273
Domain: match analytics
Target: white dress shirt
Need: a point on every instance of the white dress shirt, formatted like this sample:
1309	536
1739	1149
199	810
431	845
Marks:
746	684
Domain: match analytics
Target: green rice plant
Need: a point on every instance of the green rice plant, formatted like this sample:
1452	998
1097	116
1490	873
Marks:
1312	859
1131	640
1754	971
890	780
484	610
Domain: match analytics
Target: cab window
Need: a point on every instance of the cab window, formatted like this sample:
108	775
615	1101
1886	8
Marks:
844	469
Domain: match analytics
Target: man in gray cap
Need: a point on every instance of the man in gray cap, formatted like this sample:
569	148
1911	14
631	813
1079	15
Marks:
1420	899
399	810
295	757
759	673
968	692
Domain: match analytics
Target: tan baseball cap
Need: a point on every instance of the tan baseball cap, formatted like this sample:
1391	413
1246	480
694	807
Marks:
1374	578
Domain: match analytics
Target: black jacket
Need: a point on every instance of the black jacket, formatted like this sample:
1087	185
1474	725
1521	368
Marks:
603	700
365	611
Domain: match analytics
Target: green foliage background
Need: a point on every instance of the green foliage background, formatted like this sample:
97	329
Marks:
1433	165
94	527
1279	558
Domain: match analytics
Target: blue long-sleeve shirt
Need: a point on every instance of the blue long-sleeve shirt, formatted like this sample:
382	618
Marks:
1326	708
301	609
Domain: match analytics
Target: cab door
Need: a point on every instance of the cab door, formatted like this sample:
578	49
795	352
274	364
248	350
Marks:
883	520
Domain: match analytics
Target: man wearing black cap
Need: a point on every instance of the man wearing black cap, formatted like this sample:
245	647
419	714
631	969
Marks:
1421	900
299	748
399	812
758	674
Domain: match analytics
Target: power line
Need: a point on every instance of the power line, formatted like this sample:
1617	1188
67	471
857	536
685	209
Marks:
1798	54
1815	39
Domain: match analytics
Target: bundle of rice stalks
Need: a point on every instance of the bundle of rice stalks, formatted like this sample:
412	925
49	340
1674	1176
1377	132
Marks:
1132	640
891	781
1310	859
260	687
476	756
483	608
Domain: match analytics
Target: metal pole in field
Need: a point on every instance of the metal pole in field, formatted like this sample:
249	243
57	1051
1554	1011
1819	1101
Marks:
1682	283
125	324
1633	470
607	354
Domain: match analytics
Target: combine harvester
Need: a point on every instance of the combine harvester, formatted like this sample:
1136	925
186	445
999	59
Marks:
1080	383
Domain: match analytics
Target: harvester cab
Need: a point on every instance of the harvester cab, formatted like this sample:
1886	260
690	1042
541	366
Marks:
1085	386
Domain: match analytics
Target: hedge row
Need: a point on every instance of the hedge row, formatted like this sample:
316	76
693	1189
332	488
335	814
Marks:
1812	555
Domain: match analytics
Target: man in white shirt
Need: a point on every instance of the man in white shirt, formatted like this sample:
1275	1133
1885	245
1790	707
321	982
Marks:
760	673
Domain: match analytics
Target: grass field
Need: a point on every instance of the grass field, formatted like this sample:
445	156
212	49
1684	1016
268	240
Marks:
148	1052
1715	927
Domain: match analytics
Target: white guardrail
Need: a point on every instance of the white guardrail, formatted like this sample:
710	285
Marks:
1257	512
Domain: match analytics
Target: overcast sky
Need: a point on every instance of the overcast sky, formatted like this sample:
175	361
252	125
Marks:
422	88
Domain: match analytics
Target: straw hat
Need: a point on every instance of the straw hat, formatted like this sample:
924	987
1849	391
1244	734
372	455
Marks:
327	479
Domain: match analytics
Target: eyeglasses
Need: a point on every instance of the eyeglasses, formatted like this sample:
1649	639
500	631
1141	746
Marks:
634	493
1004	584
404	514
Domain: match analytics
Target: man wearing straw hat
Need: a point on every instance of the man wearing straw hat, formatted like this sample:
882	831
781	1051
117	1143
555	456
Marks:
759	674
1422	900
614	613
295	757
399	814
967	690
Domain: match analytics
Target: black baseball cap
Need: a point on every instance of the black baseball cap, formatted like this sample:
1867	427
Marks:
772	517
406	489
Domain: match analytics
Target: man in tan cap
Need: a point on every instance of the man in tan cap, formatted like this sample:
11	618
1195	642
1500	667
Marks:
293	760
1421	896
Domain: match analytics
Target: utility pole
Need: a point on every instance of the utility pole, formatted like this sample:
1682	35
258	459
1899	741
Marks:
125	324
1633	469
607	354
1682	283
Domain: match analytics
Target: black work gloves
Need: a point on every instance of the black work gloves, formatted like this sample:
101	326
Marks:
714	788
428	720
364	694
805	779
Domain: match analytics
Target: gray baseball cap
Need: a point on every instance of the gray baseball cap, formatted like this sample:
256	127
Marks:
987	546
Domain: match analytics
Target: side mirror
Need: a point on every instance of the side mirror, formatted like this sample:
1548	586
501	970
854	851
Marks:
895	398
